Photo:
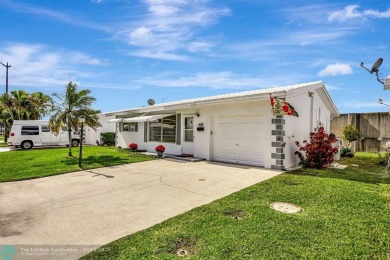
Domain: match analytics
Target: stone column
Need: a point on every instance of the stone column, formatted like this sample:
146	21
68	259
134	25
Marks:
279	144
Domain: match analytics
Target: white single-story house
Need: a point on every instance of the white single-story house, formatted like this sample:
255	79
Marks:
235	128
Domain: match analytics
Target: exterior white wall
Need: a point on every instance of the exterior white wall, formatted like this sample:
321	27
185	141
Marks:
126	138
91	136
203	139
298	128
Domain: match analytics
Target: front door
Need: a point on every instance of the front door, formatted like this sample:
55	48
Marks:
188	144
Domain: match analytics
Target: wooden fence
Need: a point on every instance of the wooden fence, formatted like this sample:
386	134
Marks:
374	129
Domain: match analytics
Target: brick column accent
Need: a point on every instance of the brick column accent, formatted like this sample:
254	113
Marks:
279	143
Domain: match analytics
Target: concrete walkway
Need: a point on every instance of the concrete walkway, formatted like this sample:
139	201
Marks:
91	208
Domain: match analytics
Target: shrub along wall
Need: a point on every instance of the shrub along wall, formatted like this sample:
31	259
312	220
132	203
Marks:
108	138
374	129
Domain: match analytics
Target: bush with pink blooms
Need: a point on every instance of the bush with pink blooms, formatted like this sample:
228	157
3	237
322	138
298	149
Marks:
319	152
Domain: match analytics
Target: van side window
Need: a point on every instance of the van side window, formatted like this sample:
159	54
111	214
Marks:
45	128
30	130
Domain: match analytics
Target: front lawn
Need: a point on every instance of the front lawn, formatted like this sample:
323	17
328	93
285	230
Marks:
2	143
346	216
28	164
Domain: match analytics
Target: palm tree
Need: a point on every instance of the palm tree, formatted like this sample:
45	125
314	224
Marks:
70	106
42	105
6	115
20	105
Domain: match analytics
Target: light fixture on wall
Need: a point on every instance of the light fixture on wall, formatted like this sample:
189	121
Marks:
197	114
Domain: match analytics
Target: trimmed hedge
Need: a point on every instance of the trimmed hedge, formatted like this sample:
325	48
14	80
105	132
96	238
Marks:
108	138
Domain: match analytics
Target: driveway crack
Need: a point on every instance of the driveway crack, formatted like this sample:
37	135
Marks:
173	186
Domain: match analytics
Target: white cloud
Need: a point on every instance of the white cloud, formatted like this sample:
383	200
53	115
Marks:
330	87
217	80
75	20
335	69
359	104
158	55
312	37
351	12
171	28
37	65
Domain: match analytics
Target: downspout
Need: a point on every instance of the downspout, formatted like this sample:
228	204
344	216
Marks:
311	95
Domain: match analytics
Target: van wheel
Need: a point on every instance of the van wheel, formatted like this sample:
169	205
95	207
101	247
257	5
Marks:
27	145
75	142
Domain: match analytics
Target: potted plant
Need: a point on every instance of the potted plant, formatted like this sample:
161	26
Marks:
160	150
133	146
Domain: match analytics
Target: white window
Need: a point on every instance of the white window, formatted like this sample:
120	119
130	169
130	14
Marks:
189	129
130	127
163	130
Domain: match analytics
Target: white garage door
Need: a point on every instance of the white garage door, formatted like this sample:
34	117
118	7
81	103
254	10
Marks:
239	139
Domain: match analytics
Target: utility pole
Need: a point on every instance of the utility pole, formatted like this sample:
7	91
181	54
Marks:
6	77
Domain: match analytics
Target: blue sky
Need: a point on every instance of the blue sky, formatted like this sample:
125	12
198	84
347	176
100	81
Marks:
127	51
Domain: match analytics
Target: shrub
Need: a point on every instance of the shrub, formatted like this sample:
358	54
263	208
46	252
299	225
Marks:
108	138
350	134
319	152
133	146
346	152
383	158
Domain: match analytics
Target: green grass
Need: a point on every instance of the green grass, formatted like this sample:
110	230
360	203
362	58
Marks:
2	143
346	216
35	163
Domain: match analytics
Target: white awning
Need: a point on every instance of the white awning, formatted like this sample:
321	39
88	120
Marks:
138	119
144	118
115	120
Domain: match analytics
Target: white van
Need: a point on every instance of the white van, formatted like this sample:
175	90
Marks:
29	133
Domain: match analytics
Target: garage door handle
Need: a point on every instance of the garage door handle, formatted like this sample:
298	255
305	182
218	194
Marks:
237	144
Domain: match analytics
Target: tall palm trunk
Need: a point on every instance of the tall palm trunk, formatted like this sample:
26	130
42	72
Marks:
70	137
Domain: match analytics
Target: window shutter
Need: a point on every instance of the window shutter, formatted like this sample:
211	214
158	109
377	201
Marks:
178	129
145	132
136	127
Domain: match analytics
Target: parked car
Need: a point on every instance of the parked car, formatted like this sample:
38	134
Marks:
29	133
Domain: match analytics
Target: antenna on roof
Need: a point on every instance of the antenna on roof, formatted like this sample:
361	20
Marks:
375	69
151	102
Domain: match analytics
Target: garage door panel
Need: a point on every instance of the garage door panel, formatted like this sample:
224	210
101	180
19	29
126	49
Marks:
239	139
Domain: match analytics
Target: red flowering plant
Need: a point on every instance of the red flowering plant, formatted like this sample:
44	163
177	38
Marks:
133	146
160	148
319	152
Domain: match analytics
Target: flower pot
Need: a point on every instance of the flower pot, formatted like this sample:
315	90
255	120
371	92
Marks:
159	154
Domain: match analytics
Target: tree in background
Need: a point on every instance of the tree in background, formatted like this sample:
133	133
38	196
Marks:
70	106
20	105
350	133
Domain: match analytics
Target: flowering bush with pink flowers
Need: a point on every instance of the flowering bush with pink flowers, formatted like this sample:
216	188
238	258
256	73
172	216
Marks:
319	152
133	146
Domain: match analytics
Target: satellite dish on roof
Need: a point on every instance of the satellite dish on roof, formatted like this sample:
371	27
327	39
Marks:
151	102
375	69
376	65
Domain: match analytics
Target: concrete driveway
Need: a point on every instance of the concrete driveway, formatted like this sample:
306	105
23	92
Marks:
86	209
